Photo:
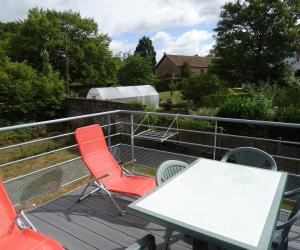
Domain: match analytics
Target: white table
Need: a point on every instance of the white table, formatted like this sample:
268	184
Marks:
225	204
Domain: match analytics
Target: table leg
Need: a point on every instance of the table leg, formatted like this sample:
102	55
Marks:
167	238
199	245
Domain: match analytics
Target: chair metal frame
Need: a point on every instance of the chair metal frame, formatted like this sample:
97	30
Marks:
101	187
83	142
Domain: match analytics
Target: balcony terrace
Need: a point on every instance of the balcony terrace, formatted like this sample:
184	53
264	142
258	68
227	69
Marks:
52	176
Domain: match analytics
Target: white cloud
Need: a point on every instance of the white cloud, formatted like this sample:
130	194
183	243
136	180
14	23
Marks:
118	46
188	43
119	16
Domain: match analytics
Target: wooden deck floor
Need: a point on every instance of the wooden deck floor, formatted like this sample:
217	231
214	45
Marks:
95	223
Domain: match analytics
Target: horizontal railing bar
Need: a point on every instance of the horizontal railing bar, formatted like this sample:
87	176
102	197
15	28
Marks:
38	155
37	140
51	137
286	157
45	153
259	138
219	134
43	169
29	125
222	148
159	150
49	167
213	118
179	129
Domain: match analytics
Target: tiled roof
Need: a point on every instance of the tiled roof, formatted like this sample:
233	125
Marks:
193	61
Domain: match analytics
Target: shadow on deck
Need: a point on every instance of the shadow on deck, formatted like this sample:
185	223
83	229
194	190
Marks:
95	223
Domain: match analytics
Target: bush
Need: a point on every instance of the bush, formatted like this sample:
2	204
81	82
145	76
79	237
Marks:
164	84
287	97
218	100
256	107
233	107
289	114
195	88
27	94
191	124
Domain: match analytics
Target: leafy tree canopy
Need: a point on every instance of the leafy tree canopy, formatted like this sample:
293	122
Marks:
146	49
64	35
254	37
136	70
27	94
194	88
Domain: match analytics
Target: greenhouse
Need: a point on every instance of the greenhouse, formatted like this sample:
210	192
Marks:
145	94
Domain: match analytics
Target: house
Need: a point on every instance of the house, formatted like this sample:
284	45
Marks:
173	64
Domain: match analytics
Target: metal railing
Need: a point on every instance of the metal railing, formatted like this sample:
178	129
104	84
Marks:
121	125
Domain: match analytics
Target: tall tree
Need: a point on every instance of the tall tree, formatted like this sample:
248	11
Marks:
146	49
254	37
75	47
136	70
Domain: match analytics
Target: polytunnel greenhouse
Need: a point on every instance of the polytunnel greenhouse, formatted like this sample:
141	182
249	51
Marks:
146	94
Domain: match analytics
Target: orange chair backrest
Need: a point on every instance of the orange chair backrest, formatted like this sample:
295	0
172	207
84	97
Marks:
94	151
8	216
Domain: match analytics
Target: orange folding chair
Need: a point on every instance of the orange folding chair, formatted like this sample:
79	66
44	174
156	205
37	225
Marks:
17	232
108	175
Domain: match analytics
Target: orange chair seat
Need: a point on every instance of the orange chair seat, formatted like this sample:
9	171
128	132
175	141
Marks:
29	240
12	237
100	161
131	185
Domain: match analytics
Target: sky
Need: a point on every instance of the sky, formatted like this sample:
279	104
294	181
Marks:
175	26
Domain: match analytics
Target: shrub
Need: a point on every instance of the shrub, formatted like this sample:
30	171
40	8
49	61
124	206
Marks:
27	94
233	106
217	100
194	88
289	114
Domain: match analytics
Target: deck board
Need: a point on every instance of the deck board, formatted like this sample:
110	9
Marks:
95	223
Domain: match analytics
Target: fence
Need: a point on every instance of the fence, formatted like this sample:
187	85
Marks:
134	135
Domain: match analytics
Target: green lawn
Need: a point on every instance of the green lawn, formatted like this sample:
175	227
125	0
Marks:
164	96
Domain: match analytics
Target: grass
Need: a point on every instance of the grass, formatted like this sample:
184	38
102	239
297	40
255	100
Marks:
176	98
28	166
54	194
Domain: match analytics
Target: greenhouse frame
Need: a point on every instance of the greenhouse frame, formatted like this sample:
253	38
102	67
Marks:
145	94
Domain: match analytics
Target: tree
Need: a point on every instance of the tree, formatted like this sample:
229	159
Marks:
253	38
146	49
27	94
193	88
186	70
75	47
173	85
136	71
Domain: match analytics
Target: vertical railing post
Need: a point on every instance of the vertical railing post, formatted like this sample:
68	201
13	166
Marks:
278	147
108	132
132	140
215	139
